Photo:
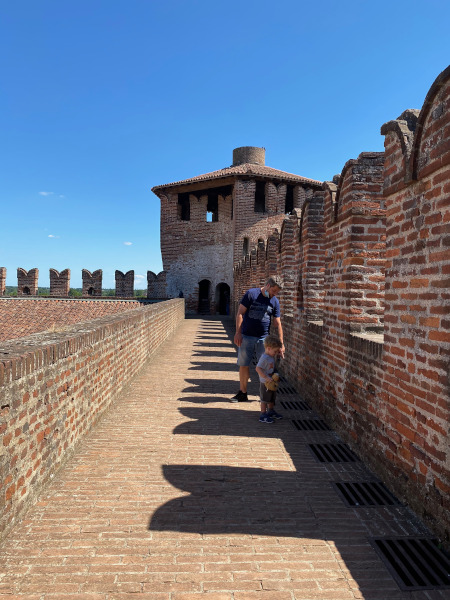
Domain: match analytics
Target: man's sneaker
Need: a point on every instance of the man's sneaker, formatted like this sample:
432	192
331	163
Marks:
274	415
240	397
265	419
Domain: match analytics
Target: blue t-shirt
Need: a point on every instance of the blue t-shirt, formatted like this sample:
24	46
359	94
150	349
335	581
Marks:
259	313
267	364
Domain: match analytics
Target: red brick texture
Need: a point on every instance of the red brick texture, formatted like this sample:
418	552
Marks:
27	282
369	256
20	317
2	280
54	387
59	283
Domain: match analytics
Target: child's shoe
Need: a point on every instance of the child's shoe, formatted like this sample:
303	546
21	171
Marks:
274	415
265	419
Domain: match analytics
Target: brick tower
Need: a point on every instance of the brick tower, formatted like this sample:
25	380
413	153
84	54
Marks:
209	222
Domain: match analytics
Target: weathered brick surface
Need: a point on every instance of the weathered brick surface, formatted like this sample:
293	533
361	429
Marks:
92	283
156	285
20	317
178	495
2	280
27	282
54	387
124	284
365	303
59	283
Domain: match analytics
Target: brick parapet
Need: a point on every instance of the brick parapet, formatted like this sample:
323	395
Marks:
27	282
55	386
124	284
376	364
2	280
92	283
59	283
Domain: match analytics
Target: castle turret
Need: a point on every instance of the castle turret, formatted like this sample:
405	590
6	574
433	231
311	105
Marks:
209	222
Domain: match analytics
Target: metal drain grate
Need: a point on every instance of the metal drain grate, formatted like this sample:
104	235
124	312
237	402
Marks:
310	425
366	493
333	453
414	563
295	405
285	388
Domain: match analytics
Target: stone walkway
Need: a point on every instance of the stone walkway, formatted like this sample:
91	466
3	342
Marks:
179	494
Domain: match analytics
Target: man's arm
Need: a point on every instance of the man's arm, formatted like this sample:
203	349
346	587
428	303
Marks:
279	328
239	319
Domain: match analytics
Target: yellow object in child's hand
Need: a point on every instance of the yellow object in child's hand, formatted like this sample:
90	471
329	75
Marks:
272	385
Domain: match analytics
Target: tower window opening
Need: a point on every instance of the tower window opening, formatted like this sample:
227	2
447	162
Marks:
212	208
184	207
289	203
260	197
245	246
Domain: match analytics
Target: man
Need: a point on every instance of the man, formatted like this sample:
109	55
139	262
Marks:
258	310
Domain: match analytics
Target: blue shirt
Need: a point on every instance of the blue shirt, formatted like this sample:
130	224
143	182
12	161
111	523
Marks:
267	364
259	313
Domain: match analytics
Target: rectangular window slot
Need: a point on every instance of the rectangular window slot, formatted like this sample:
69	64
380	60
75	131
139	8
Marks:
333	453
414	563
294	405
366	493
310	425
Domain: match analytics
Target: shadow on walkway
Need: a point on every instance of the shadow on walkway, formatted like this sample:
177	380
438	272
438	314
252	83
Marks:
301	504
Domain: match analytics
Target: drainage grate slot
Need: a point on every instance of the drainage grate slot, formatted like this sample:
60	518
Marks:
295	405
368	493
415	563
285	388
310	425
333	453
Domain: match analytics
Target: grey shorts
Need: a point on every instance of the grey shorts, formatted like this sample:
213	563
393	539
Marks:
266	395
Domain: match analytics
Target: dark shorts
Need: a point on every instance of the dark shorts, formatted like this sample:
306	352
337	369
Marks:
266	395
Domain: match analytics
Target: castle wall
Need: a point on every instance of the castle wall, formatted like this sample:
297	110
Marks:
365	304
194	250
2	280
55	386
59	283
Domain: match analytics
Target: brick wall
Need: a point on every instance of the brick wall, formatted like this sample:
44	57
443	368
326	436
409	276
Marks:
92	283
194	250
124	284
2	280
366	301
55	386
156	285
59	283
20	317
27	282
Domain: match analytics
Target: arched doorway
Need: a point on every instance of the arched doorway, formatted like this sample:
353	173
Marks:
203	297
223	298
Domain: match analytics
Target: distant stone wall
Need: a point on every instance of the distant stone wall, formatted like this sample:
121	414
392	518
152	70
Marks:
55	386
365	303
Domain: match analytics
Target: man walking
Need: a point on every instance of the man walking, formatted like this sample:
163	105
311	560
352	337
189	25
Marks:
258	310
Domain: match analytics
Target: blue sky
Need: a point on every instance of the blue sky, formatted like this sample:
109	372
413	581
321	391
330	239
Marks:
100	100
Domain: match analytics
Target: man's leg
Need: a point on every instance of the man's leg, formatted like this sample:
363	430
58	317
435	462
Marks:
244	376
245	355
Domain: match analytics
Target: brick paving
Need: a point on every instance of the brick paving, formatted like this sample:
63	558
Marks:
179	494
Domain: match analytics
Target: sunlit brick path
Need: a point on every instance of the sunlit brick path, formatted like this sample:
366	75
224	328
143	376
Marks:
180	495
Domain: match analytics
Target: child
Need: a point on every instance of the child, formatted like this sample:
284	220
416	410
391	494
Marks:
265	369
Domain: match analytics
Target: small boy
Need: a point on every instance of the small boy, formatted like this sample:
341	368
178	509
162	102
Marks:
265	369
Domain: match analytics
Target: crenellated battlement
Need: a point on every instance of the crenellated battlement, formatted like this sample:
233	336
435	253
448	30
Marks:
27	283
